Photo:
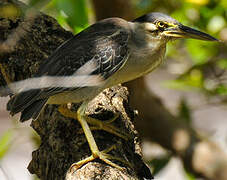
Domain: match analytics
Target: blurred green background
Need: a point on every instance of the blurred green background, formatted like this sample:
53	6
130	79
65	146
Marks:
198	66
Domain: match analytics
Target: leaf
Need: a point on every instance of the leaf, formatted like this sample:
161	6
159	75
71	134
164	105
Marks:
75	13
38	3
158	164
221	90
177	84
222	63
9	11
192	80
198	2
35	177
184	111
189	175
35	138
5	142
200	51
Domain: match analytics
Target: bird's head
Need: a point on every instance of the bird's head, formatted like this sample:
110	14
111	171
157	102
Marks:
163	27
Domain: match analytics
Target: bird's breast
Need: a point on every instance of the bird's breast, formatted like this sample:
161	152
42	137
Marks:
138	64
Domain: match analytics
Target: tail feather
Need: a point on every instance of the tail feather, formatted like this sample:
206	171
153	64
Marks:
33	110
28	103
22	100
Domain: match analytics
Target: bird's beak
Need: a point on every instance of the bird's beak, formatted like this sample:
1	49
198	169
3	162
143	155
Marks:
181	31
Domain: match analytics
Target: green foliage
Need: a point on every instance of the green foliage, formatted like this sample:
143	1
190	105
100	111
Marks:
222	63
72	14
184	111
5	142
190	81
200	52
158	164
35	177
35	139
9	11
38	3
209	16
189	175
221	89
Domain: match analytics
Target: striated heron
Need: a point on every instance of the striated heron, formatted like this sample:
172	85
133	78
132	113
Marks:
113	49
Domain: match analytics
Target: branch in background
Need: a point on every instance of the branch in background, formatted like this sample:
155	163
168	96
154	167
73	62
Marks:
61	141
199	155
114	8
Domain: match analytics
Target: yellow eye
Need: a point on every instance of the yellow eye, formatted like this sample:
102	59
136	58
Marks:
162	24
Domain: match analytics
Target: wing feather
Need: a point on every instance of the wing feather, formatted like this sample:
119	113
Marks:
102	49
107	50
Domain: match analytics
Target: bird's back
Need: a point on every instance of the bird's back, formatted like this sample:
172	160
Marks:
104	44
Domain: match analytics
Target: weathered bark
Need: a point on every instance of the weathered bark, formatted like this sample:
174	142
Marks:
35	37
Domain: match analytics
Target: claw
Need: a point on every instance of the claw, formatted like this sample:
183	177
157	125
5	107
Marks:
102	155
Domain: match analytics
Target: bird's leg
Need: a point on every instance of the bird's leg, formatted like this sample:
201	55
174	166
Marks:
81	117
112	119
106	126
98	124
4	74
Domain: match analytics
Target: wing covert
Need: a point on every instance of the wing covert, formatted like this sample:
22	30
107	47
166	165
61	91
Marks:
107	51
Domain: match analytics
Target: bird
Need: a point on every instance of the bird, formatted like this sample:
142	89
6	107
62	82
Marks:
113	49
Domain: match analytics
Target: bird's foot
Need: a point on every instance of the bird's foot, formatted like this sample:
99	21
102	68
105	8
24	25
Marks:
102	155
63	109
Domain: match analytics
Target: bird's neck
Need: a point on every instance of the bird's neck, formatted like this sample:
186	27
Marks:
147	51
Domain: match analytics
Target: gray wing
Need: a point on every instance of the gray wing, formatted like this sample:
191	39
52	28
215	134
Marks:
105	44
107	50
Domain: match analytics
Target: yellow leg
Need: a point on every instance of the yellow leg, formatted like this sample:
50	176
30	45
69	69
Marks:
107	129
96	124
106	126
112	119
80	115
104	157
